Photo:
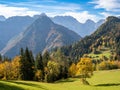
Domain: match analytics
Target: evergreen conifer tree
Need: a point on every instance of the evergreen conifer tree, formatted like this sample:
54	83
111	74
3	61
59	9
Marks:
46	57
26	65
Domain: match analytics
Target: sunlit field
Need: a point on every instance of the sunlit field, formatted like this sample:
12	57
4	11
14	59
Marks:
101	80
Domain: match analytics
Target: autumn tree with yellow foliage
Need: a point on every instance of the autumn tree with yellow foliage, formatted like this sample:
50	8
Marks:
10	70
72	70
84	69
16	67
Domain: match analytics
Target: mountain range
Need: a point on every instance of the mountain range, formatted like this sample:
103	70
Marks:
82	29
12	26
43	34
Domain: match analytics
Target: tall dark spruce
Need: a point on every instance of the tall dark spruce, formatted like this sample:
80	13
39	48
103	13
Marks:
26	65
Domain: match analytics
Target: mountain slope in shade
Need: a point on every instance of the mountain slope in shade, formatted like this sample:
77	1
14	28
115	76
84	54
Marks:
1	45
99	23
68	22
108	34
42	35
13	26
88	27
82	29
2	18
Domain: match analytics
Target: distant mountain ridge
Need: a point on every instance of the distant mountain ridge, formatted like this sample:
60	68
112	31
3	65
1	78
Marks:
82	29
41	35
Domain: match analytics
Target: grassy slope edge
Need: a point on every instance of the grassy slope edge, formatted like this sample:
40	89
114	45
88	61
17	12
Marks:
102	80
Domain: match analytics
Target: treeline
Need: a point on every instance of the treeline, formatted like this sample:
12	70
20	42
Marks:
105	63
44	68
49	67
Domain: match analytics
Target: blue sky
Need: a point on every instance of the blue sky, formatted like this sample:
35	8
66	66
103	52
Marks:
79	9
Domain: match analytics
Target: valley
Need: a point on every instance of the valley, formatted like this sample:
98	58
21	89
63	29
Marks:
72	45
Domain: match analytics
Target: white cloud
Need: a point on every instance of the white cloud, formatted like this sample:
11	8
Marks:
62	9
106	14
9	11
108	5
46	5
32	8
80	16
83	16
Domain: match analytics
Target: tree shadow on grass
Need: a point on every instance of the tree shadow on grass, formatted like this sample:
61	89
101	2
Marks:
28	84
109	84
4	86
65	81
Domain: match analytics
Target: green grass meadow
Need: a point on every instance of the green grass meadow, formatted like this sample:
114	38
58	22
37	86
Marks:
105	52
101	80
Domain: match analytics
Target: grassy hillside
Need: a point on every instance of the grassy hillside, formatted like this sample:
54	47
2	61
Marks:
102	80
103	52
